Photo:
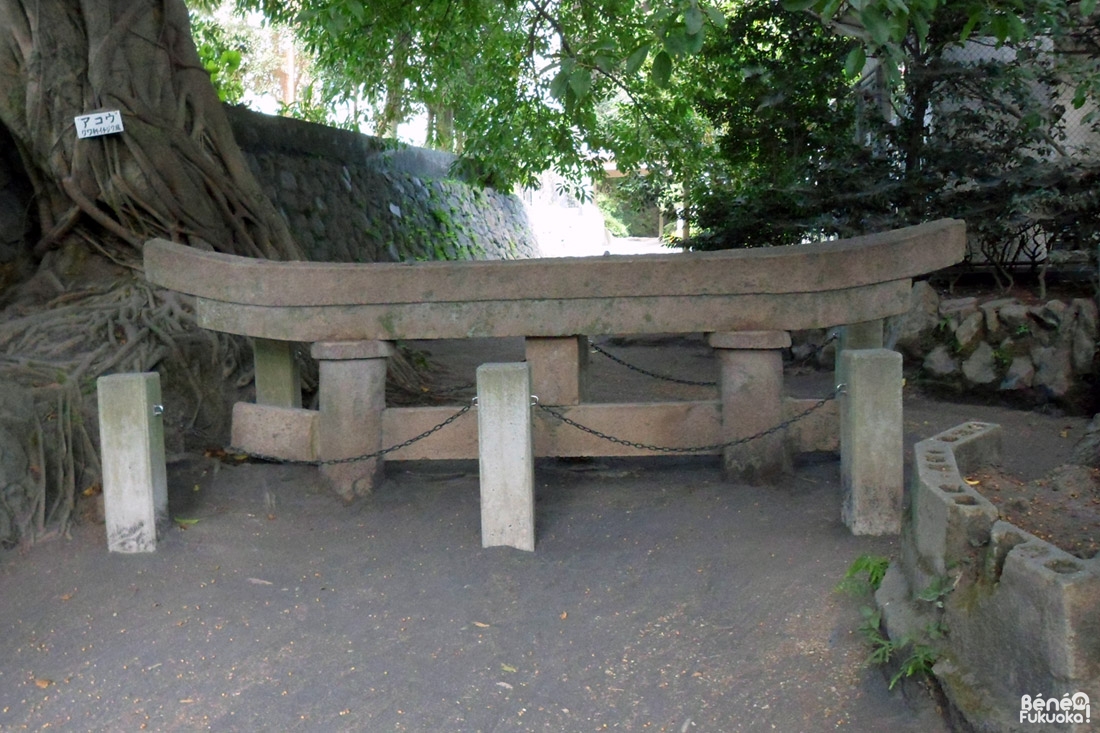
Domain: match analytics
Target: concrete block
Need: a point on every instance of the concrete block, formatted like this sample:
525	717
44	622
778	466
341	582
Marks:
1035	630
279	432
278	380
751	387
351	398
949	517
135	485
559	368
506	456
871	450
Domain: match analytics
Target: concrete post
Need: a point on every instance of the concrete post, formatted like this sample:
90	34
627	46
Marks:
278	381
862	335
559	368
752	401
506	456
871	450
135	484
351	398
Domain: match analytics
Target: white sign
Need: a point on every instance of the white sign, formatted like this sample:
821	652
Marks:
98	123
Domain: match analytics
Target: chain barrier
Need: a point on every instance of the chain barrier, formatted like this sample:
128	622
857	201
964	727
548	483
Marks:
655	375
837	391
365	456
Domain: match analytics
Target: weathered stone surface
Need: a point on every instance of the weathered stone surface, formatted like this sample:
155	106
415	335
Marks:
1053	370
1087	314
1087	450
958	308
349	199
940	362
969	331
905	331
1013	317
1083	351
980	367
1050	314
1020	374
993	325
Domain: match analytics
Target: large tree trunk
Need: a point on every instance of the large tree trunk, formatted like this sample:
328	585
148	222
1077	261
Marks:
176	171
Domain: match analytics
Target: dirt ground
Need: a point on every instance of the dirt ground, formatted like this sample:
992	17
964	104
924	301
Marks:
659	597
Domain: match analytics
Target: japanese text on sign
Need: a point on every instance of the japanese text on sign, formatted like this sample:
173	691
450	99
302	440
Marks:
98	123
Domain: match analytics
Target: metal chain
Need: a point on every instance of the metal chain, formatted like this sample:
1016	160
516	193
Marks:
666	378
365	456
701	448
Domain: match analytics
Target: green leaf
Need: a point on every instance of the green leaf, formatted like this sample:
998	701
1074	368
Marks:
357	10
857	59
718	17
695	42
693	20
662	69
798	5
676	41
920	27
636	59
560	84
830	8
876	24
1086	7
969	26
580	81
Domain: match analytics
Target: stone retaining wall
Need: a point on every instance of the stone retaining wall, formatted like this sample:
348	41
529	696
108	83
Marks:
1045	351
1020	616
353	198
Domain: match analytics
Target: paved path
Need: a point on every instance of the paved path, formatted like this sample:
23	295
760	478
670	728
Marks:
659	598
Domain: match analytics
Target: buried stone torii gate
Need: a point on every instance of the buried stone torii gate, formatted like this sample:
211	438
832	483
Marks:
747	301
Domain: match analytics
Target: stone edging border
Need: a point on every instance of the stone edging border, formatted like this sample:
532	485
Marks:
1022	617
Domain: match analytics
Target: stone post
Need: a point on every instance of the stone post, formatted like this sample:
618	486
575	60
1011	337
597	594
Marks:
751	385
559	368
862	335
135	484
278	381
352	397
871	450
506	456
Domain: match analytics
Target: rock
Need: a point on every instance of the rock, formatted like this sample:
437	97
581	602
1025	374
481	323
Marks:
1053	370
1050	315
905	331
969	331
1082	351
1086	315
981	366
989	309
1014	317
958	307
940	362
1020	374
1087	450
